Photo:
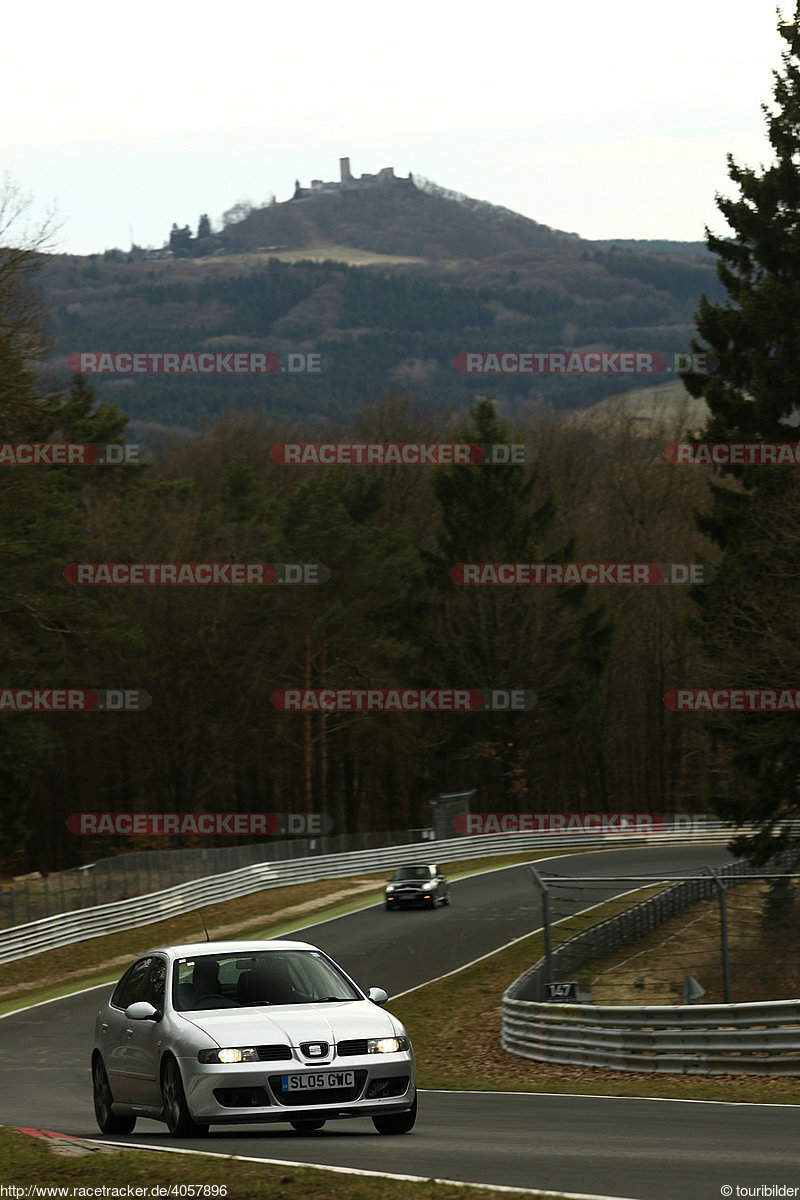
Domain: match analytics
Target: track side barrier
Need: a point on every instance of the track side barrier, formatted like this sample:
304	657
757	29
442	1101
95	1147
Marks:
63	929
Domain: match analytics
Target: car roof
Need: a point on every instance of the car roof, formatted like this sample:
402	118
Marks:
191	949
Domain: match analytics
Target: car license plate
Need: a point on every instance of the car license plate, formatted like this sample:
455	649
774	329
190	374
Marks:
323	1079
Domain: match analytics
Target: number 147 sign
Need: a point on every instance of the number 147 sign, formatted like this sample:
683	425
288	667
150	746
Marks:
566	990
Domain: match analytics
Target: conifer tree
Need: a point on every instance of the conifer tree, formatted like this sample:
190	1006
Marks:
748	617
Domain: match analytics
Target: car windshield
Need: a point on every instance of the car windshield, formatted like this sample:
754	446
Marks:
412	873
257	978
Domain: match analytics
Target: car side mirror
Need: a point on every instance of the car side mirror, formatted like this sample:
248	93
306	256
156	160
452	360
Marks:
378	995
142	1010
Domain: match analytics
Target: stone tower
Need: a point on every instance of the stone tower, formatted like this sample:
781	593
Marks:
344	170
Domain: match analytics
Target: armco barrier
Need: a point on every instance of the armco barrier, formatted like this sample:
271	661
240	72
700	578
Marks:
63	929
709	1039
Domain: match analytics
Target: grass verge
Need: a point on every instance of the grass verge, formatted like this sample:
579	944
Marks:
62	1162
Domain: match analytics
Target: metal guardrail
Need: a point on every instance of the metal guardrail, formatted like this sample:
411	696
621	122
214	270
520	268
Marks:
758	1039
64	929
709	1039
141	872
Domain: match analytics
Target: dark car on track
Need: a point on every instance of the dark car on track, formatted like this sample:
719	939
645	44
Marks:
417	885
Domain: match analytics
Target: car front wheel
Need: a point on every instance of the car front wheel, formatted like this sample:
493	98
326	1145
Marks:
176	1110
106	1120
402	1122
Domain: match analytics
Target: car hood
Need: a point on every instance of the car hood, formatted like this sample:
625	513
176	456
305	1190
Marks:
295	1023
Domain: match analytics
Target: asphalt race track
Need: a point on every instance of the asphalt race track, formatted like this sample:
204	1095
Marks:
647	1149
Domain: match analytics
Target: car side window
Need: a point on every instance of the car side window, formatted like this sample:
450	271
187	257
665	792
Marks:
155	984
127	990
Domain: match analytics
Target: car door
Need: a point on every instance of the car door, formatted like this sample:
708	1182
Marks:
114	1036
143	1038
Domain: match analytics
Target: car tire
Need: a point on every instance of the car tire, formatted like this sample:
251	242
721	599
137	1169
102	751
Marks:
389	907
175	1109
446	898
304	1127
402	1122
107	1121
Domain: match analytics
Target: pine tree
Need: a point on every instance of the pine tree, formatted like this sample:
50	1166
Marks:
553	642
748	617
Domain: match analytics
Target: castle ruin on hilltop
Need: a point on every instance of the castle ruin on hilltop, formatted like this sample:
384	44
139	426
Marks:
348	182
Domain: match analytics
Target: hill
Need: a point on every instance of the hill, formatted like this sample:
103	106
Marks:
387	215
388	283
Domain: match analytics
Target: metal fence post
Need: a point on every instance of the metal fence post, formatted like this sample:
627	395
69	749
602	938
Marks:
548	944
723	929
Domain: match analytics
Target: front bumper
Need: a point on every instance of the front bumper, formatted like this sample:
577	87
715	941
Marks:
411	899
251	1092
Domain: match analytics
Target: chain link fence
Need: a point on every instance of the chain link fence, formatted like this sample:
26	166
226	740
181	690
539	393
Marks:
139	873
600	940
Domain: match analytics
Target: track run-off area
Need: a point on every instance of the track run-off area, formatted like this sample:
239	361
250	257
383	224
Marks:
646	1149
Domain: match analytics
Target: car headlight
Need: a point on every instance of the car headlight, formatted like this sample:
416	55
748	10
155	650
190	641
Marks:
231	1054
390	887
388	1045
427	886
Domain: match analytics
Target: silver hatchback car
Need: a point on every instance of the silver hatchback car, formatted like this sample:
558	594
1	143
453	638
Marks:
215	1033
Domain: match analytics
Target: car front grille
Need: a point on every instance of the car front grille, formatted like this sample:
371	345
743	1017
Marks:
242	1097
273	1053
315	1096
352	1046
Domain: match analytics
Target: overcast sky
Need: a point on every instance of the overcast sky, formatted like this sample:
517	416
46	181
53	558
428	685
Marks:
608	120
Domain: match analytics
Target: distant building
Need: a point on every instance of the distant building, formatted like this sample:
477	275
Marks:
348	182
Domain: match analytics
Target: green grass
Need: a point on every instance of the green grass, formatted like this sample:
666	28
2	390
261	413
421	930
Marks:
71	1163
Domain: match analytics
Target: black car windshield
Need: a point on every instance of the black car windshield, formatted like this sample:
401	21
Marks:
257	978
412	873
